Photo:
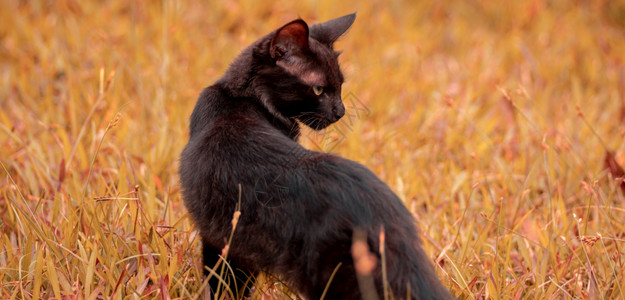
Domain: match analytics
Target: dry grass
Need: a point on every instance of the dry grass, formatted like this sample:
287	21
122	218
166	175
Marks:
500	125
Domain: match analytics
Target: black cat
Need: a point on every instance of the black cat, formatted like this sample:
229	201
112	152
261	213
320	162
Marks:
299	208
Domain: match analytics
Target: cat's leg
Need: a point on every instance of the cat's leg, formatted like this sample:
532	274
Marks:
342	286
210	257
240	285
244	280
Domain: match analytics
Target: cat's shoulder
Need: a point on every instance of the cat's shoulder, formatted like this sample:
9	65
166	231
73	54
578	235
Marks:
217	108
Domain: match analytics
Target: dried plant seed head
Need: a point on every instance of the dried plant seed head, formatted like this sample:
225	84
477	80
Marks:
589	240
115	121
544	144
364	261
580	113
235	219
224	250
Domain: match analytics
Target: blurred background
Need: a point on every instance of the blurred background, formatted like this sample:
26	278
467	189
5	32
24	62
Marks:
500	124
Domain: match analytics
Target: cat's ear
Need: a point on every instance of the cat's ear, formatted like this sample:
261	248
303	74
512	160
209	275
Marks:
328	32
291	39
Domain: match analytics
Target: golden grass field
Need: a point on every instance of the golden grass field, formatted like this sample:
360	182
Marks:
501	125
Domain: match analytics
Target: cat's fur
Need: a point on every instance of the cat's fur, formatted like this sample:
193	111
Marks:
299	208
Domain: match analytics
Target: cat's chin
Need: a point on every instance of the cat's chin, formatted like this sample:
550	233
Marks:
319	124
319	128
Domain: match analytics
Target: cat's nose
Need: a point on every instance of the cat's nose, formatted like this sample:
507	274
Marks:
338	110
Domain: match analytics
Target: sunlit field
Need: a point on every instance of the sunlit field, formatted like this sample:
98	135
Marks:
500	124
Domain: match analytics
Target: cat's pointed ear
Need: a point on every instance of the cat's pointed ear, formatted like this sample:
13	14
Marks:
328	32
292	38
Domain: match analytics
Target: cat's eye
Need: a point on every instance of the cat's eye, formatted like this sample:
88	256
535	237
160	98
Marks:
318	90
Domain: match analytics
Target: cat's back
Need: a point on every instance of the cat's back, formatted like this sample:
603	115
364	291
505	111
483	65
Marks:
230	135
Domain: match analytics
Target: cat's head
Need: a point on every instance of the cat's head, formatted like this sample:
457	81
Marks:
300	76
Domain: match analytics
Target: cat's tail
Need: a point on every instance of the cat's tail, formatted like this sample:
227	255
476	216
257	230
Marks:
410	273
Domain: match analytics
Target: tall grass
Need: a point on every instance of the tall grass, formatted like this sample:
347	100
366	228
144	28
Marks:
500	124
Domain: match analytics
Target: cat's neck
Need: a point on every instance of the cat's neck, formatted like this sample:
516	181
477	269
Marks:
239	82
239	76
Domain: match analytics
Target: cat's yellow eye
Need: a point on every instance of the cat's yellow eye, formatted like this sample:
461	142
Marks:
318	90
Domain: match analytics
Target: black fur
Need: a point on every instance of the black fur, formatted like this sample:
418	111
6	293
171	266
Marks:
299	208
